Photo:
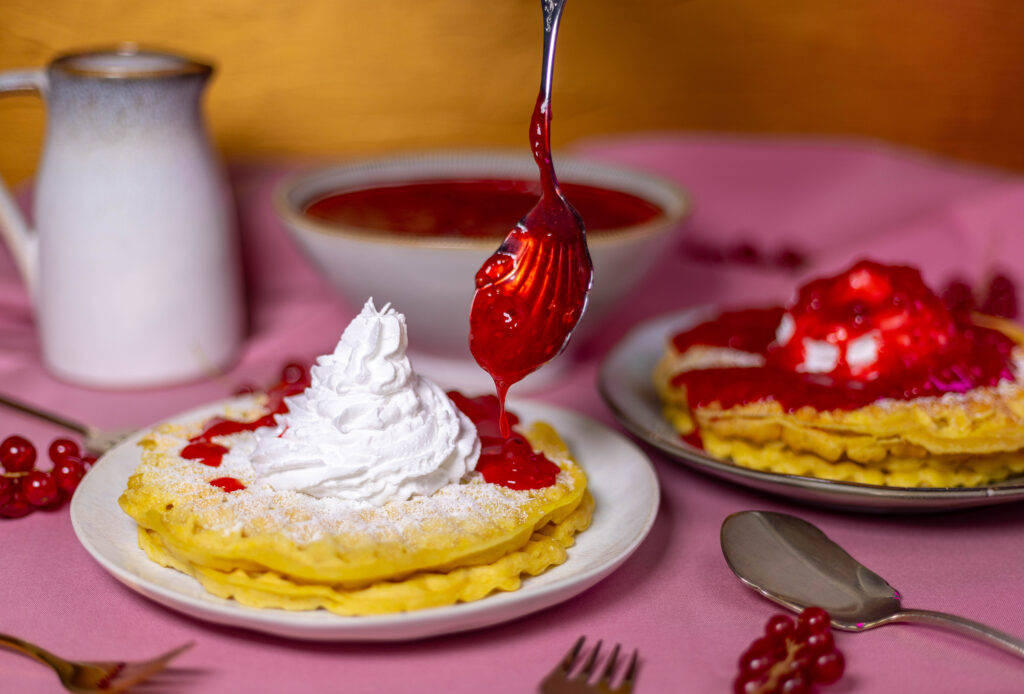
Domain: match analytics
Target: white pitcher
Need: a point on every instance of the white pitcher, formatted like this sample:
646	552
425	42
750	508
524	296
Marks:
133	264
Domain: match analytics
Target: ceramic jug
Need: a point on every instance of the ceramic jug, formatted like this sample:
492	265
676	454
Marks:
133	261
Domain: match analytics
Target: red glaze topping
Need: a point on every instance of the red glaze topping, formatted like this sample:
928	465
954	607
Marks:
749	330
870	333
506	460
201	447
869	322
471	208
228	484
211	454
532	291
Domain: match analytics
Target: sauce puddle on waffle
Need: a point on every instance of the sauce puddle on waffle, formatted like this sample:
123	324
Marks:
865	377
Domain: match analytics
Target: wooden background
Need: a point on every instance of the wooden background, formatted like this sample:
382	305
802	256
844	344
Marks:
333	78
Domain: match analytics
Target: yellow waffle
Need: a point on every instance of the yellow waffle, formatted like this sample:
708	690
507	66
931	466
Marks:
953	440
283	549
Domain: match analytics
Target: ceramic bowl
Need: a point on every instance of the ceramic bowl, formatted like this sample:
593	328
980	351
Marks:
429	278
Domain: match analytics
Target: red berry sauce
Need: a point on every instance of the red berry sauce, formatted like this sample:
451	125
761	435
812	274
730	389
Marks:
228	484
531	292
201	448
916	347
468	208
207	453
506	460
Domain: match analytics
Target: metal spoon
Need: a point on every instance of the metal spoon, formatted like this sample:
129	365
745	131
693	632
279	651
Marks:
94	441
532	291
790	561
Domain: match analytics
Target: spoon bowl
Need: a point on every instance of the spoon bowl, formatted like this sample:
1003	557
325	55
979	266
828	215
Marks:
792	562
532	291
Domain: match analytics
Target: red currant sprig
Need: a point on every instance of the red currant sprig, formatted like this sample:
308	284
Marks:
23	488
996	298
791	657
1000	297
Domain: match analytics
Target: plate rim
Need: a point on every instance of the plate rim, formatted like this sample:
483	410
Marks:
320	625
637	347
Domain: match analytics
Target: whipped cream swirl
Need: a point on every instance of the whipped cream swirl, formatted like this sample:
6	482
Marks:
367	429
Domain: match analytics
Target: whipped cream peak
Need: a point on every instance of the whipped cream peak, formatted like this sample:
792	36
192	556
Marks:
368	429
370	353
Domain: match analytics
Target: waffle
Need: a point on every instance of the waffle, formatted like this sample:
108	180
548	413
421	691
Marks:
953	440
284	549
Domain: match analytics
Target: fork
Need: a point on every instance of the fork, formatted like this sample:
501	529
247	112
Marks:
560	681
105	676
96	441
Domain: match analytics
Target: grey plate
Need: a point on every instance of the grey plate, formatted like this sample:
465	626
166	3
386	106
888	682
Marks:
625	384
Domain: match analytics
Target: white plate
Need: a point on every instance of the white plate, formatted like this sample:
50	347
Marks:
626	386
621	480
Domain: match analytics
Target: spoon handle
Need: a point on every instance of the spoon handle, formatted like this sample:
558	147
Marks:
552	16
967	627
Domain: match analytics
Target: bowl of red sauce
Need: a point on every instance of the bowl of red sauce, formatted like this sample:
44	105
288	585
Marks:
414	229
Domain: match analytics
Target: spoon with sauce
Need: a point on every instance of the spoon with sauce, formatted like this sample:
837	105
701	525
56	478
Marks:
792	562
531	292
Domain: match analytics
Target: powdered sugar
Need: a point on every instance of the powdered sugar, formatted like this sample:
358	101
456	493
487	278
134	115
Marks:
467	508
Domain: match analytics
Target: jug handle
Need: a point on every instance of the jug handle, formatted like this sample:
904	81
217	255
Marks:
20	238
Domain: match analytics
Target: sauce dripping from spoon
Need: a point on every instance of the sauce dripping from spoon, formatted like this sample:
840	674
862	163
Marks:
532	291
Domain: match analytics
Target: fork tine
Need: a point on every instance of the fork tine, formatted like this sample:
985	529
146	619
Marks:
629	678
588	667
609	667
571	656
135	673
175	652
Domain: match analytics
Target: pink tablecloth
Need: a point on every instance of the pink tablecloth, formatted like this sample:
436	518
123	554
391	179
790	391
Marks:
675	599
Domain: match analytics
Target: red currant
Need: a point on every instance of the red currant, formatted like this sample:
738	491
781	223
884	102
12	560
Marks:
745	253
88	461
294	373
756	663
779	627
749	686
958	297
8	489
828	667
815	619
794	683
67	474
39	488
791	656
1001	299
17	454
821	642
15	508
790	259
63	448
767	644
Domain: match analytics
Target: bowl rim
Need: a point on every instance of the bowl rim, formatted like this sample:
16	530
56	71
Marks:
297	189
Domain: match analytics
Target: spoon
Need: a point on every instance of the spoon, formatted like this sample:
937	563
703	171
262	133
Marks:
790	561
94	441
532	291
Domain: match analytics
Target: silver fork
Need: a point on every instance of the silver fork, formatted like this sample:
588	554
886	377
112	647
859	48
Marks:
94	441
563	681
82	676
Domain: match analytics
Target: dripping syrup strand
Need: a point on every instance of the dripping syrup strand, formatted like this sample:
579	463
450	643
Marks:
519	308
